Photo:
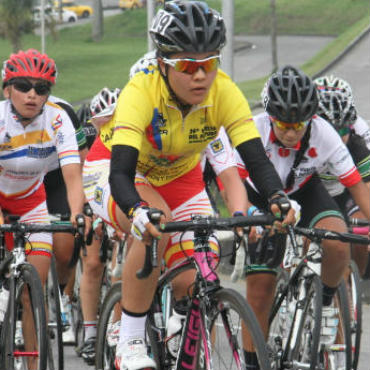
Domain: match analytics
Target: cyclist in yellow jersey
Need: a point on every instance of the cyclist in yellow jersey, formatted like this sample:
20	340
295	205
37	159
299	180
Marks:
164	118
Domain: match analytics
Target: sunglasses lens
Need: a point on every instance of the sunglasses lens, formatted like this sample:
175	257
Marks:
289	126
42	89
22	86
190	66
25	86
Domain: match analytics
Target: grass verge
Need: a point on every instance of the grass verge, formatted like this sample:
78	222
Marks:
252	88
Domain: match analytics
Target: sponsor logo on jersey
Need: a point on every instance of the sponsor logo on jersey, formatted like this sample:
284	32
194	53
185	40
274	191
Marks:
217	146
57	123
98	195
35	152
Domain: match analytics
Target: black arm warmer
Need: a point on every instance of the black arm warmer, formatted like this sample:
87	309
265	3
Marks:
260	168
122	176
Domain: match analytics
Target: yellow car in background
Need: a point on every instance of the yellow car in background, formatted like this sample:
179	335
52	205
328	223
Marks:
131	4
82	11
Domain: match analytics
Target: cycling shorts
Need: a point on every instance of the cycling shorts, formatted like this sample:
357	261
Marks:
32	209
56	193
346	204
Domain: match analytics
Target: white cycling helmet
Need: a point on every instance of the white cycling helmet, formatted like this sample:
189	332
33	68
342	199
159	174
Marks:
336	108
333	82
104	102
145	63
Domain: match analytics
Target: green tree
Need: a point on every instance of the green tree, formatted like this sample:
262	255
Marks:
16	20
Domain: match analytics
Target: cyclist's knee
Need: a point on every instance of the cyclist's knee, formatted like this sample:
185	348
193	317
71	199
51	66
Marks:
260	290
336	252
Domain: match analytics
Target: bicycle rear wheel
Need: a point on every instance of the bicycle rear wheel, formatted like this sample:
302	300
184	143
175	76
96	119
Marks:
24	328
77	317
355	307
339	354
228	316
106	349
55	332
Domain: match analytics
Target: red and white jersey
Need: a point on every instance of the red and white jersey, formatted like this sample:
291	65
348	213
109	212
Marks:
219	153
26	153
326	150
362	128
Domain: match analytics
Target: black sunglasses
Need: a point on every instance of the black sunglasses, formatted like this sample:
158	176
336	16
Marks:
41	88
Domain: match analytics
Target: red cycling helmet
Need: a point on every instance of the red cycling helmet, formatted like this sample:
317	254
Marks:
30	63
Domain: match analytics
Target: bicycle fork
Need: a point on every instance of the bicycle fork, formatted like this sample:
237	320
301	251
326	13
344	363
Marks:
303	288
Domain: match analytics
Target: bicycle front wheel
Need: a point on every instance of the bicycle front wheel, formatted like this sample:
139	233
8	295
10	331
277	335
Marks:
106	341
355	306
25	344
55	332
229	316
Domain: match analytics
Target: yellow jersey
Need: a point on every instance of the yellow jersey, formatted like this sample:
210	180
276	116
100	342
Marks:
169	145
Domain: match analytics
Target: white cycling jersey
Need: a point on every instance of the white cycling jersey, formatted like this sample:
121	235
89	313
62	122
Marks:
26	153
361	127
219	153
326	150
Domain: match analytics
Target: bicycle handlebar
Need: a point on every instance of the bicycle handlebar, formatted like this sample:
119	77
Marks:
212	223
359	222
197	223
33	228
320	234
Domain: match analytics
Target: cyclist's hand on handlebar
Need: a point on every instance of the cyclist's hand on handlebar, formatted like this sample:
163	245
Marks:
282	208
1	217
80	221
141	228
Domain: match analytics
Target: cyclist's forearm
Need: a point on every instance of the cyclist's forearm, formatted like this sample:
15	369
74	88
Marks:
122	176
234	190
261	170
73	180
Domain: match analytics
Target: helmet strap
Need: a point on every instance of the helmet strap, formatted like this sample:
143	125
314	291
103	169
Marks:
183	107
22	118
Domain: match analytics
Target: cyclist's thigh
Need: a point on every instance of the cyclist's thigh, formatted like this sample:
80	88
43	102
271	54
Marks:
99	196
56	193
315	202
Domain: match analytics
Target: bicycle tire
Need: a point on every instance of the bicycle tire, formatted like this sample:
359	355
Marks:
226	298
355	302
105	355
28	277
327	357
77	317
225	304
55	337
345	321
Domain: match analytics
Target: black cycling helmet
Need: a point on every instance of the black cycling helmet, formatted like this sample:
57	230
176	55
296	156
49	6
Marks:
187	26
290	95
337	108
